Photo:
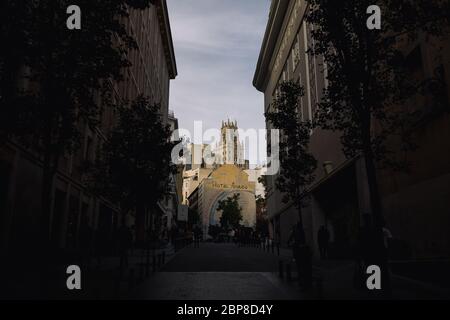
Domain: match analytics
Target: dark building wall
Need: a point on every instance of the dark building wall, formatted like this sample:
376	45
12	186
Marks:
416	204
21	169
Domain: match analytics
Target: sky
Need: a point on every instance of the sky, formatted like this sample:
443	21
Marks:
217	45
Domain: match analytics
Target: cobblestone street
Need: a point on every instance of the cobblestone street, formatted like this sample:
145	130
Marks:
219	271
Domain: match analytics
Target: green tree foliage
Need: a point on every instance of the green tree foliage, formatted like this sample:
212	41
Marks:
297	164
135	166
369	77
371	88
231	212
53	80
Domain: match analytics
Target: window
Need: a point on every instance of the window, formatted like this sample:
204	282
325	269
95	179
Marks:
285	75
295	53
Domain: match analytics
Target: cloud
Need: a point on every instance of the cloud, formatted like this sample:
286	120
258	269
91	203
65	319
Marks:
217	45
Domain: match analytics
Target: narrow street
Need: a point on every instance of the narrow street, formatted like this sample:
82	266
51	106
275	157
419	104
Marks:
247	151
219	271
224	271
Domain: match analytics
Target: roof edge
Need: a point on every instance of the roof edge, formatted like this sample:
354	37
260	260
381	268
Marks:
273	29
163	16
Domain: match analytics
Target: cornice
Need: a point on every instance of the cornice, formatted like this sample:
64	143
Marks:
271	35
166	33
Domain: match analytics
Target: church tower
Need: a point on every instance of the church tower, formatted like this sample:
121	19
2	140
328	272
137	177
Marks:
230	149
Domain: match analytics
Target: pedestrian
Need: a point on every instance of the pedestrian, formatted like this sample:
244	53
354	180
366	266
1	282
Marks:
197	235
387	237
86	234
133	239
231	235
323	240
302	255
125	239
367	250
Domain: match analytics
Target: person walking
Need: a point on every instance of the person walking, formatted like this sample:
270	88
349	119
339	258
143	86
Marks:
302	255
197	235
86	234
125	239
323	240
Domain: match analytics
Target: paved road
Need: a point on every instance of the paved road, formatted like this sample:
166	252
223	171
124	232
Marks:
222	257
219	271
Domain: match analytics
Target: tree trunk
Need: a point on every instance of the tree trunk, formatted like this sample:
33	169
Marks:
300	222
380	256
300	215
140	222
44	243
48	175
375	197
46	201
50	160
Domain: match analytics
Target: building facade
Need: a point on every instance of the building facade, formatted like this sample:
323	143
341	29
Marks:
415	205
153	66
169	206
230	150
204	185
224	182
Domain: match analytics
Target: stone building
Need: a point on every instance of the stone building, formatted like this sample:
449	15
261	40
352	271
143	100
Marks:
153	66
230	150
415	205
204	185
224	182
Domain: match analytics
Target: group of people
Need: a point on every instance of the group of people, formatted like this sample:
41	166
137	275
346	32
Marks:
197	236
302	255
248	236
302	252
371	248
88	247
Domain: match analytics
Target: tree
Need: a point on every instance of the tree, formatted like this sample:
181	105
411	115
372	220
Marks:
297	164
370	83
53	80
134	166
231	212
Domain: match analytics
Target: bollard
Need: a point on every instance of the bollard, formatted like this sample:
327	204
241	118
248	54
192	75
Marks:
141	272
278	248
288	272
131	279
273	249
319	285
117	283
280	268
147	264
121	272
